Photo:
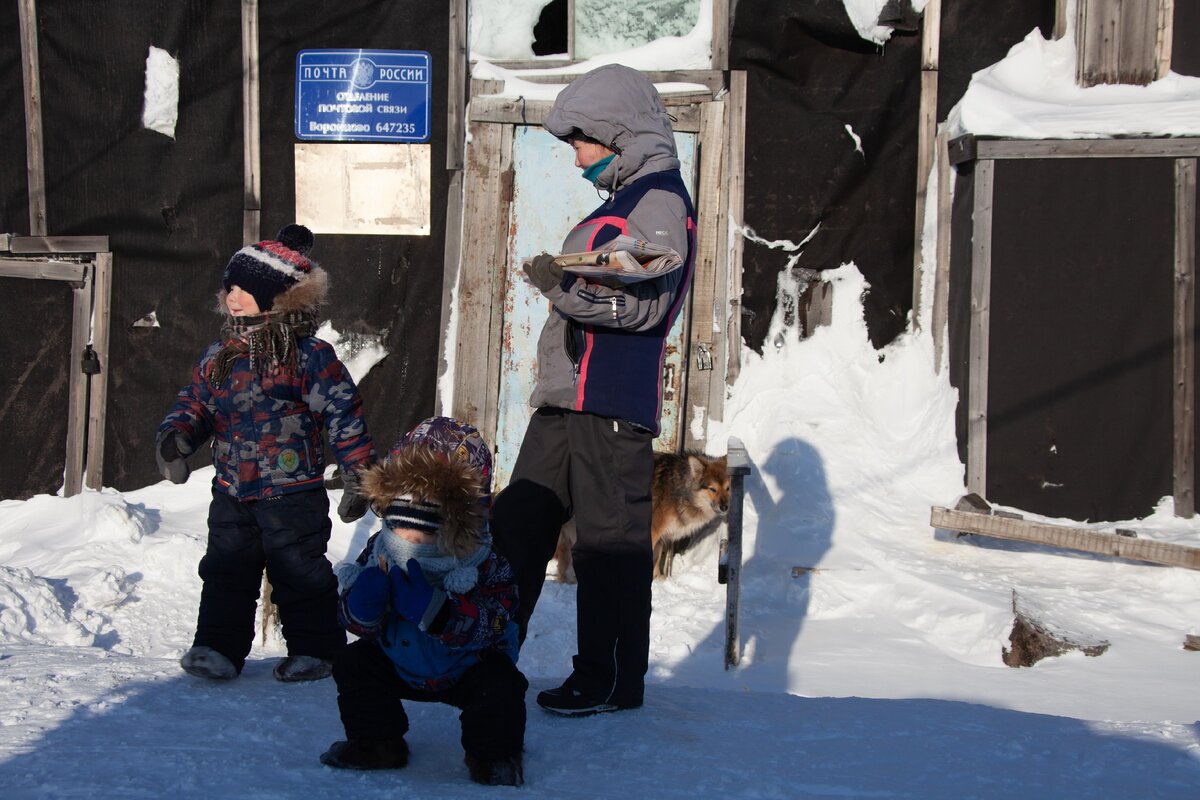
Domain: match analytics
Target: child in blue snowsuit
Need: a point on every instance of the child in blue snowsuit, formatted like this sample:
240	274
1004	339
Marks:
435	608
263	392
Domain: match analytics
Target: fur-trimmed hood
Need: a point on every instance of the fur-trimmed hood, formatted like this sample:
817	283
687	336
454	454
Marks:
454	485
308	295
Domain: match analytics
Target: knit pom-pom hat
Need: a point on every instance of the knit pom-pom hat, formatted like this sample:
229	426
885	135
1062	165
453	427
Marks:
435	479
278	272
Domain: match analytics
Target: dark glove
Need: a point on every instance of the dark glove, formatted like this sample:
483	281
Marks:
354	504
170	454
543	272
368	596
411	593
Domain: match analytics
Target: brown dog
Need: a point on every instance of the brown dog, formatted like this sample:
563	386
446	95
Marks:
690	493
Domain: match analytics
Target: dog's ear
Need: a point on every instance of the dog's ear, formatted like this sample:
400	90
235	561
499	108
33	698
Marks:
697	465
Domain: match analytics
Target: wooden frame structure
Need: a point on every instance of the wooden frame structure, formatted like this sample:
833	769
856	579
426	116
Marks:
85	262
985	152
476	255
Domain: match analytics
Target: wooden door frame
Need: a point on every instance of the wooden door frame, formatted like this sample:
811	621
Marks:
477	250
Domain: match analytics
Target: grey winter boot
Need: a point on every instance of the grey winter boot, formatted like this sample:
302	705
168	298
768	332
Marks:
204	662
302	668
499	772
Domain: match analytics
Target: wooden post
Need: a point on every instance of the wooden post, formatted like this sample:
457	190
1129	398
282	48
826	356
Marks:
720	34
926	142
1118	41
81	312
482	255
1166	33
34	155
705	313
738	466
735	160
98	384
941	286
456	141
981	289
251	151
1185	331
494	352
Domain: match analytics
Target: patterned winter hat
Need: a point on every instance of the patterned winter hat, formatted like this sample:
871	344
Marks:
272	267
438	477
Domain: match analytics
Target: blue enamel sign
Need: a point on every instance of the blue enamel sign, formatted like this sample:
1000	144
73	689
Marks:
362	95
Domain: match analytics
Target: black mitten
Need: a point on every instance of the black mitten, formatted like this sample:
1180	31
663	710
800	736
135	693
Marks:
353	504
543	272
171	455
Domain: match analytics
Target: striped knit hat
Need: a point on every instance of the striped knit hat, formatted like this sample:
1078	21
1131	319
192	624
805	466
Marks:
272	266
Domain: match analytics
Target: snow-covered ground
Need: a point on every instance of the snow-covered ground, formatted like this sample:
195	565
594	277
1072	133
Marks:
873	671
876	673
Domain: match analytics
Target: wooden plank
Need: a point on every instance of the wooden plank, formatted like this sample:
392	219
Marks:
720	34
926	158
42	270
738	465
1165	37
735	160
704	308
451	259
456	86
1096	37
713	79
570	30
473	296
502	273
77	387
1184	350
1064	536
1060	18
1137	59
1182	147
941	285
931	34
57	244
523	111
35	165
981	289
251	135
98	384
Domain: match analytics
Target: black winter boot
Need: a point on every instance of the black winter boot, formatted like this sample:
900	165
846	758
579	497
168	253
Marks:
367	754
498	772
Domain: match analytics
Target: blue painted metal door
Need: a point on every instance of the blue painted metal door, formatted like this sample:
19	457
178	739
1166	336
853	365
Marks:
549	197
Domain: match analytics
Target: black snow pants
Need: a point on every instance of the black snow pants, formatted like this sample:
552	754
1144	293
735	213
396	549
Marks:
599	471
287	535
490	695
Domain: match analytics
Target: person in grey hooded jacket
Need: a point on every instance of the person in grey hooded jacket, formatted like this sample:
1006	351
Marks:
587	451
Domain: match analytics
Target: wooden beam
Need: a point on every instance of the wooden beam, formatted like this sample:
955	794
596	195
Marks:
81	312
251	148
738	465
714	80
981	289
42	269
56	244
1067	537
456	85
482	230
523	111
1116	41
926	143
1165	37
1185	332
735	159
98	384
970	148
721	23
704	309
35	165
941	285
501	274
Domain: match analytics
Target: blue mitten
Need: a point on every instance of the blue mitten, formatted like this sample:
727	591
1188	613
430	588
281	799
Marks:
368	597
412	595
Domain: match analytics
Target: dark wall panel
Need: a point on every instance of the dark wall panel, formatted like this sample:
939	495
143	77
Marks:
172	208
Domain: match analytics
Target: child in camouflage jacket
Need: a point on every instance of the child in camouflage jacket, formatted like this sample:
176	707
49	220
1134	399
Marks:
263	392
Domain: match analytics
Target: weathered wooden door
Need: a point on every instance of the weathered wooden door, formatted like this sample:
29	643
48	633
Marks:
550	196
